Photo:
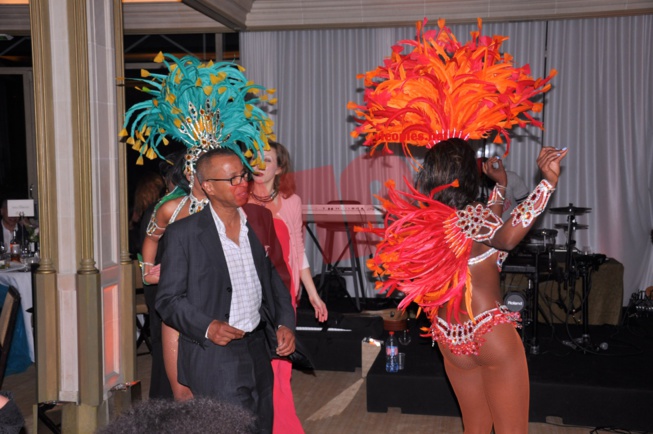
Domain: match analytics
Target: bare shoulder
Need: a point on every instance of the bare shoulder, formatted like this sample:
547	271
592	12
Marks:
167	209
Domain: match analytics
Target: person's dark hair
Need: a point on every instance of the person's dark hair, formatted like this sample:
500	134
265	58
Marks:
174	175
11	419
194	416
449	160
205	159
149	190
284	182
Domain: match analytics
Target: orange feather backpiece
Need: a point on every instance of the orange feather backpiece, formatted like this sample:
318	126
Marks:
442	89
423	252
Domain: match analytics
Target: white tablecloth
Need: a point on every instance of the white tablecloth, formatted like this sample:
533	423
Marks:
22	281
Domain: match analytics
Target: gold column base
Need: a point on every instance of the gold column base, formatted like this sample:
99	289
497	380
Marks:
82	418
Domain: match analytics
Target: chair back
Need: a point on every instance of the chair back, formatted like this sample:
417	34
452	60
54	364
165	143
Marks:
8	318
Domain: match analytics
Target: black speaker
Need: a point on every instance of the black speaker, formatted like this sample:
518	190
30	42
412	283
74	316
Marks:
515	301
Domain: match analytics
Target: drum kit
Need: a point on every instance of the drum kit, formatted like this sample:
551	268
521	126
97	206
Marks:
538	250
544	240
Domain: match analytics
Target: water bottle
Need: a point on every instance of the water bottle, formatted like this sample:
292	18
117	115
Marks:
391	354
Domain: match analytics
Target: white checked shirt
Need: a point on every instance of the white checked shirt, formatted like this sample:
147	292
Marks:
246	295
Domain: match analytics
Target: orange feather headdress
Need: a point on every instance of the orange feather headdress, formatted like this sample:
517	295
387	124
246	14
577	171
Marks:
437	90
442	89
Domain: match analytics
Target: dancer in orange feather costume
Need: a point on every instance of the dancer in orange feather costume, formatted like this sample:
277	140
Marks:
439	247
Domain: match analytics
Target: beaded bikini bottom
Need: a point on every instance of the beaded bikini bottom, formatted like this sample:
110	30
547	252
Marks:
467	338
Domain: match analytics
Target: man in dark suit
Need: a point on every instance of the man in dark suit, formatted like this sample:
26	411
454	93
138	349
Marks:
216	275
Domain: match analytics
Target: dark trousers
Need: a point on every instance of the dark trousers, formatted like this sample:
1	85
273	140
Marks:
239	373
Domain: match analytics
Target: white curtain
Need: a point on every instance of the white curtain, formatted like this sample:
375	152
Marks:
600	107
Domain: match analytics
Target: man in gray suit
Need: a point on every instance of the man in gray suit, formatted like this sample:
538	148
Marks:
216	275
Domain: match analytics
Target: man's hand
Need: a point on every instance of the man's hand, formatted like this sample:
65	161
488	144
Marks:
286	340
549	163
494	170
221	333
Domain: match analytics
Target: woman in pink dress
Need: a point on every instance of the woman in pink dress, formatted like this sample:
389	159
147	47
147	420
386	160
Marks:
274	188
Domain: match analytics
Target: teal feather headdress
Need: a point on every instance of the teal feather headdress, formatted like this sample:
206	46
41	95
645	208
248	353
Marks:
202	105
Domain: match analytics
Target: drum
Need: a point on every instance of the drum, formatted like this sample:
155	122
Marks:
541	242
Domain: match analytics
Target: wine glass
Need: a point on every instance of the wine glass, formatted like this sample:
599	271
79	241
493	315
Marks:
404	337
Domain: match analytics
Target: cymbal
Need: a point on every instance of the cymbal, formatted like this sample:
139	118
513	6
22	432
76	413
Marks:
571	210
543	233
573	226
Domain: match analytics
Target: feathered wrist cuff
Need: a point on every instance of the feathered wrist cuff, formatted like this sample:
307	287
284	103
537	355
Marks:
534	204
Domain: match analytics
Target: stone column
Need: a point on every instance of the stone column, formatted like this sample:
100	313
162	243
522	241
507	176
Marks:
84	291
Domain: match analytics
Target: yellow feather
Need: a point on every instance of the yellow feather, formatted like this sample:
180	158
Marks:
165	141
145	73
208	90
139	162
158	59
198	82
123	133
177	123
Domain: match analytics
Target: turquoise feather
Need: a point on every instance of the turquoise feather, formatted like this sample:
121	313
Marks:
180	109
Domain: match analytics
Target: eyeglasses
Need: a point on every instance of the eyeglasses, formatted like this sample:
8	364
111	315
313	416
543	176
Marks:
235	180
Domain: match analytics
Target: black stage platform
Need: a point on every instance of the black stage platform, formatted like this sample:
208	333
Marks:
601	388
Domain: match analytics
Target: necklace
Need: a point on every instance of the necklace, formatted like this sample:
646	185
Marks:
196	205
265	199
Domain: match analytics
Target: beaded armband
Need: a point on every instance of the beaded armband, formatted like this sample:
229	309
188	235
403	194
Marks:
152	227
534	204
478	222
496	197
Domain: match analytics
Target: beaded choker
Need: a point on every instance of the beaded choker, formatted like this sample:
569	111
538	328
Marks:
196	205
265	199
